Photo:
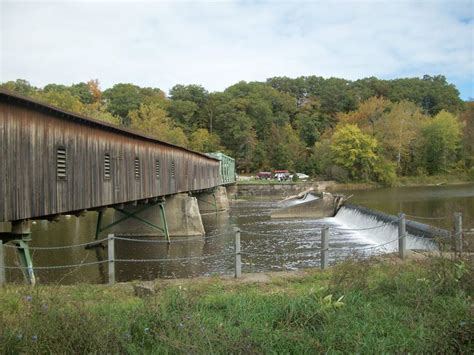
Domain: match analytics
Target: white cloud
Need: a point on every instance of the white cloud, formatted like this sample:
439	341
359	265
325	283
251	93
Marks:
217	44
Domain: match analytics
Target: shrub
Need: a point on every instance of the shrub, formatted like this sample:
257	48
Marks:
471	173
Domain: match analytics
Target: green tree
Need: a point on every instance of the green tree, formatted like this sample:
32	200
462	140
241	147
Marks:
184	113
441	139
83	92
20	86
121	99
467	120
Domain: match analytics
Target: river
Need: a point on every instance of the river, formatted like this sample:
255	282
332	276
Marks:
268	244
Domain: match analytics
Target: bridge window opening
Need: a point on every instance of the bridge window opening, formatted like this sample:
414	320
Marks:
157	169
173	170
107	166
136	167
61	163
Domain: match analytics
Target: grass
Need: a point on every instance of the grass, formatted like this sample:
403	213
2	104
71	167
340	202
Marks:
371	306
433	179
267	182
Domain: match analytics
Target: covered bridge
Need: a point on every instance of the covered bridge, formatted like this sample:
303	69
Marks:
54	161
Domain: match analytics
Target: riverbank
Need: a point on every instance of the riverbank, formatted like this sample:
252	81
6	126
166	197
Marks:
256	187
377	305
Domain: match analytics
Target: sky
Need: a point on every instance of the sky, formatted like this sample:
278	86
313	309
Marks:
219	43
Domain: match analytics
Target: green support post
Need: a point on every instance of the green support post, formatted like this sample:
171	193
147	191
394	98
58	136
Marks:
25	260
165	224
100	216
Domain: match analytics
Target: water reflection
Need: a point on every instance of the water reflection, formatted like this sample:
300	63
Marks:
281	244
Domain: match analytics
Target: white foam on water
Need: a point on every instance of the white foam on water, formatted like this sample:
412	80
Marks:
386	233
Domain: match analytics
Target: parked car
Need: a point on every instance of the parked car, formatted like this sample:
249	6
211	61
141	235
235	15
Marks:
301	176
264	175
281	175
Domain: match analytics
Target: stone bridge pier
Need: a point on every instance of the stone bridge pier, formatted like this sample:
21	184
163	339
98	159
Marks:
213	201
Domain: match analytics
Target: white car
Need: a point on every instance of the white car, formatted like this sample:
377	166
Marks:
302	176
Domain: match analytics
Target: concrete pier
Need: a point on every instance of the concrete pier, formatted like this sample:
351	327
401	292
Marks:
215	201
182	217
320	206
232	191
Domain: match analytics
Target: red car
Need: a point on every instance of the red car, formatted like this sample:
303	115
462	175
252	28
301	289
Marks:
264	175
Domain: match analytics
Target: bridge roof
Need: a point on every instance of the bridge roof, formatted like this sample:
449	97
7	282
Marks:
9	96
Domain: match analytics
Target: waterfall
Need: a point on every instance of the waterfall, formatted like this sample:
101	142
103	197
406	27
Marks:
353	217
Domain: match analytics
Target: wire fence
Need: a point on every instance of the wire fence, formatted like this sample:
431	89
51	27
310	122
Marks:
321	253
429	218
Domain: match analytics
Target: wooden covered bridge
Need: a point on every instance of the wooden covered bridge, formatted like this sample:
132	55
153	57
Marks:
55	162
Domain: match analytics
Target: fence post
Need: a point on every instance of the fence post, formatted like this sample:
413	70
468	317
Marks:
458	232
238	261
111	253
402	236
324	247
3	279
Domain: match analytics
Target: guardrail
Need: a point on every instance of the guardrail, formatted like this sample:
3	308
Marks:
237	254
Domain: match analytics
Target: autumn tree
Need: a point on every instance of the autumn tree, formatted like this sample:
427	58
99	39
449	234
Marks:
359	154
153	120
203	141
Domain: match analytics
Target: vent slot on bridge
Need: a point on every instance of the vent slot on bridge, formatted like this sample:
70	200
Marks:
61	163
107	166
157	169
136	168
173	170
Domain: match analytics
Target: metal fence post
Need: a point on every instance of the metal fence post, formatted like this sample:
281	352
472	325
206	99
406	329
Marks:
238	261
3	279
458	232
402	236
111	253
324	247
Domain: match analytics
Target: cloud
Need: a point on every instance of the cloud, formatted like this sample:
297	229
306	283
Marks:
217	44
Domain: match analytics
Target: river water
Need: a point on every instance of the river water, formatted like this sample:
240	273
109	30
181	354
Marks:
267	244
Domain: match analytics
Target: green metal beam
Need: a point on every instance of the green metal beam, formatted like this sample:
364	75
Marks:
127	215
25	260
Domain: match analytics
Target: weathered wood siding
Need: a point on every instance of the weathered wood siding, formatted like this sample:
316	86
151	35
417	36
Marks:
30	187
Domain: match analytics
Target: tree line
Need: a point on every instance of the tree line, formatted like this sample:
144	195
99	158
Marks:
363	130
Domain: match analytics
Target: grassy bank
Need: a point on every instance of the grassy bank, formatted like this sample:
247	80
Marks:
367	306
433	180
401	181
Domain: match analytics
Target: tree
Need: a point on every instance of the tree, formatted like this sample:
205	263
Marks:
203	141
286	151
398	131
467	119
441	141
193	93
94	89
153	120
358	153
184	113
368	115
121	99
83	92
61	97
20	86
